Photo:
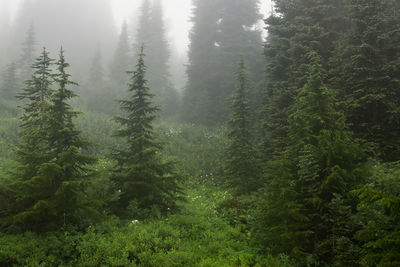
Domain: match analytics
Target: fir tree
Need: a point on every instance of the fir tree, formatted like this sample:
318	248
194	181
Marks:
49	190
321	163
294	30
143	179
33	150
368	82
241	168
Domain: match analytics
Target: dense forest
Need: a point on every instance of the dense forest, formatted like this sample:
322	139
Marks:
281	149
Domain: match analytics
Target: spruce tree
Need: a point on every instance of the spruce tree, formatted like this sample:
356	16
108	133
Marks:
142	177
241	167
322	162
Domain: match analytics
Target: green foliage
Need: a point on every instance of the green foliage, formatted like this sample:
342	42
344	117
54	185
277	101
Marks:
197	149
196	237
49	183
145	181
295	29
379	217
321	165
367	76
241	167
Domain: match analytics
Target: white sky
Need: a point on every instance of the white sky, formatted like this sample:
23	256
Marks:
177	13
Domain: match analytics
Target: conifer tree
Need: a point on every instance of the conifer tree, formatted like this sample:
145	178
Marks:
368	80
151	33
33	150
49	190
294	30
241	167
321	163
27	54
121	59
9	85
221	30
143	179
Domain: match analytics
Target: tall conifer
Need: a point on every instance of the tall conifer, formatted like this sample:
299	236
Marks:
321	163
241	167
49	188
141	176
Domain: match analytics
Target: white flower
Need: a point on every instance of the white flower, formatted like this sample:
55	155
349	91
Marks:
135	221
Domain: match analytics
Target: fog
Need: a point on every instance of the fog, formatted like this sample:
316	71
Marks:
86	27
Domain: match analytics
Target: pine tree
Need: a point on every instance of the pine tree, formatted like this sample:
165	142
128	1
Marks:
9	85
321	163
121	59
49	190
143	179
241	167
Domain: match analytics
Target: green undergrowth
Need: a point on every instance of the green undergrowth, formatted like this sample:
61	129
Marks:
196	236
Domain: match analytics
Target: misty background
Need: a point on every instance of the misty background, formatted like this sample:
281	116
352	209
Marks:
90	28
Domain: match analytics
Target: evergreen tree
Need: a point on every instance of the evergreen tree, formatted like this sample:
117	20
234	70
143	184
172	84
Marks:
241	168
32	150
27	54
321	164
368	78
9	86
121	59
143	179
222	30
295	28
201	69
49	190
151	33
